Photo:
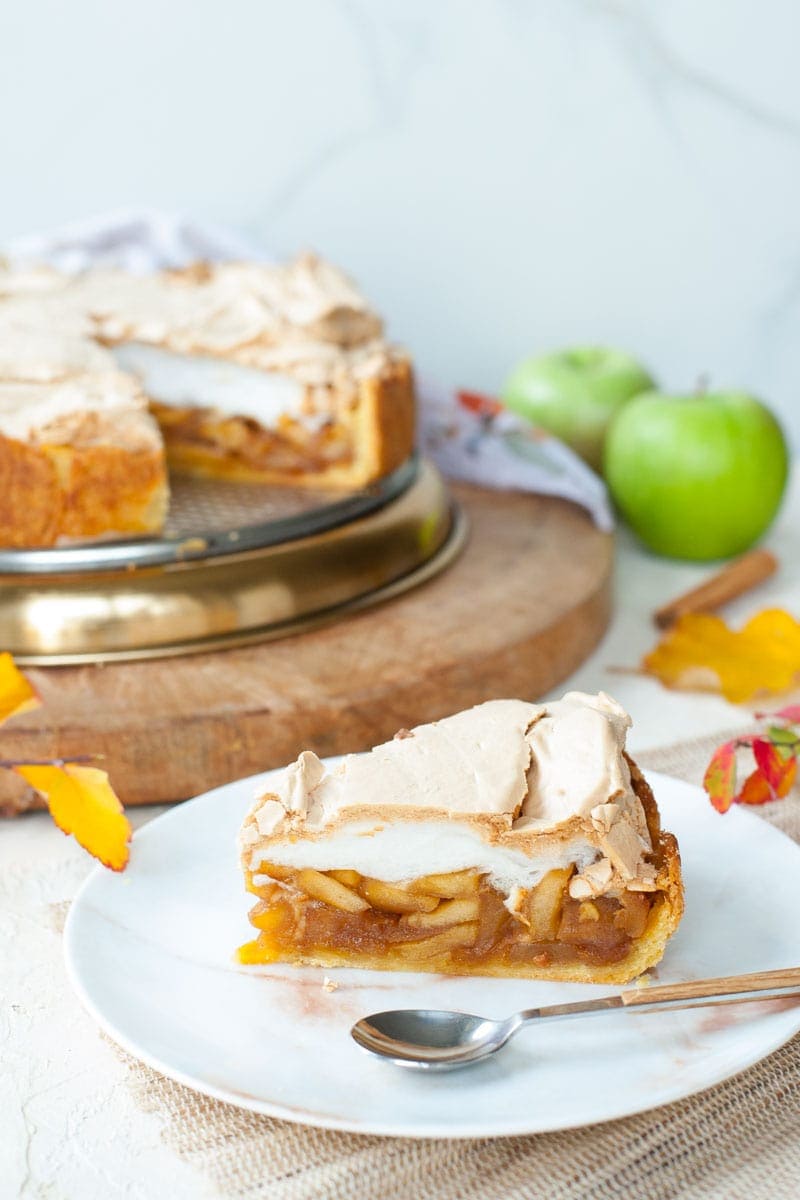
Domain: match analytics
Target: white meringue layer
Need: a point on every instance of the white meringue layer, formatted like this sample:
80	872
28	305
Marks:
405	850
197	381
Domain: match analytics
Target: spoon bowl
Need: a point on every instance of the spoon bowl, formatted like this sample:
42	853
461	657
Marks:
431	1039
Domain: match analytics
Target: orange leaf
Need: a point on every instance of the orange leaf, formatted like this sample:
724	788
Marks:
786	782
720	777
700	653
755	790
16	693
82	802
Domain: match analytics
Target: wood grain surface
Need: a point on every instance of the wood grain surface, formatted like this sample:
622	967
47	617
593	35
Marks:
525	603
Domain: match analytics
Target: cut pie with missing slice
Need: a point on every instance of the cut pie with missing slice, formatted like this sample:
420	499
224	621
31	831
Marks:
511	839
267	373
274	374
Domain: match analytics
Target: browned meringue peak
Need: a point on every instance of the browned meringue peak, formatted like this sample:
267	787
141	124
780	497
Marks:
40	356
309	294
577	759
474	762
321	363
64	390
54	310
81	410
166	309
538	764
227	306
30	280
514	771
305	318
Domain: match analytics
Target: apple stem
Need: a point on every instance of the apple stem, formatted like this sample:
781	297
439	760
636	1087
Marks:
701	387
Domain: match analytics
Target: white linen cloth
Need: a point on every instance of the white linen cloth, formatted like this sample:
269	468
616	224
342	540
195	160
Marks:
470	437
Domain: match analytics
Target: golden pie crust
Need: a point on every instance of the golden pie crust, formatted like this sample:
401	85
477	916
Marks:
55	492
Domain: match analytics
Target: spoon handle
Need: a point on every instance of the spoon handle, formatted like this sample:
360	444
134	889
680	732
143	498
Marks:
729	989
725	990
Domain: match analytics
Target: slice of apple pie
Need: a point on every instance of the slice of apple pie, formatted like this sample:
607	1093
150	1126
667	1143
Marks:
80	454
512	839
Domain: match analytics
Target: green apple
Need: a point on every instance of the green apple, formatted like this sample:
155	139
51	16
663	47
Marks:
575	393
697	477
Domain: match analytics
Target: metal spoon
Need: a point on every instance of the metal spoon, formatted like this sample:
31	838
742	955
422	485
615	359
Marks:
435	1040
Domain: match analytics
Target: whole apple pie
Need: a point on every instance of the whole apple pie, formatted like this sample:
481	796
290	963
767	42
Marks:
511	839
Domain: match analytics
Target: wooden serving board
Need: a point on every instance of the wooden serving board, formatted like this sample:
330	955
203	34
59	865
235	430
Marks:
525	603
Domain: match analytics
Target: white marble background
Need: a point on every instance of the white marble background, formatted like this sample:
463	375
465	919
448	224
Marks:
501	175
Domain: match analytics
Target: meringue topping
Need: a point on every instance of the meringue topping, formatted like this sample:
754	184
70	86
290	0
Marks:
305	317
82	410
65	390
48	356
262	342
500	787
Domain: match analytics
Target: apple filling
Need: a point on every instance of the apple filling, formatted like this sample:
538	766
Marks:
291	447
454	923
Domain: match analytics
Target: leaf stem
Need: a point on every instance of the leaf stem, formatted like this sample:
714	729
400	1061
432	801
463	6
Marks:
11	763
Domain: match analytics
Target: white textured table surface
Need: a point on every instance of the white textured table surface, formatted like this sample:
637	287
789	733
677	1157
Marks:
70	1128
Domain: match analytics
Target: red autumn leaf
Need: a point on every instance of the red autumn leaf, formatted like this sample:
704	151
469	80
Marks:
755	790
480	404
772	765
720	777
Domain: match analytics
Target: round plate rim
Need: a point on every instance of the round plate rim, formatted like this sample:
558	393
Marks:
666	1096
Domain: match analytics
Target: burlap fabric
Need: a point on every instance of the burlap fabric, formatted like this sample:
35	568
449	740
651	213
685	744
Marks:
738	1141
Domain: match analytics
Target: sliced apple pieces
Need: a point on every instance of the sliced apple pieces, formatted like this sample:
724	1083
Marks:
350	879
448	912
449	939
447	885
392	898
542	912
329	890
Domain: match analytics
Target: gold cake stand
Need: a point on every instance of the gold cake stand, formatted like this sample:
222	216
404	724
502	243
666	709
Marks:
237	563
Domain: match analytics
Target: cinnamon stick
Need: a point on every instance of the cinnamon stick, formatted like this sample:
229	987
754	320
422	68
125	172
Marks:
733	580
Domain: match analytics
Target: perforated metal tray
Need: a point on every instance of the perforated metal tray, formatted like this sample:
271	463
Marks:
237	563
208	518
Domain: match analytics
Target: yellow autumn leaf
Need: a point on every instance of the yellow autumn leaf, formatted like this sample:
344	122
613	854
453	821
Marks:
82	802
701	653
16	694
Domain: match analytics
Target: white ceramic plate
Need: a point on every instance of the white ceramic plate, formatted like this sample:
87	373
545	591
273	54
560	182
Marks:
150	953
